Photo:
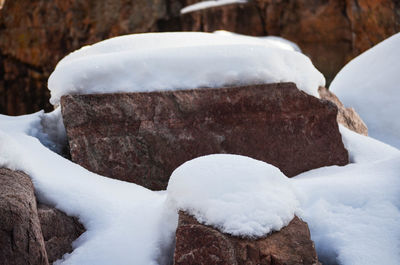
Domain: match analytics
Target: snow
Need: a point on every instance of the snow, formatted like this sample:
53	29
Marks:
277	41
125	223
370	84
353	212
208	4
239	195
165	61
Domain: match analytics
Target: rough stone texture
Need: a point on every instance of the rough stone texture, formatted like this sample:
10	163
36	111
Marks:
204	245
331	32
346	116
36	34
59	231
21	240
143	137
31	233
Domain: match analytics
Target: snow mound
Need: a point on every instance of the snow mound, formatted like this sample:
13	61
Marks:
353	211
208	4
279	42
185	60
236	194
370	84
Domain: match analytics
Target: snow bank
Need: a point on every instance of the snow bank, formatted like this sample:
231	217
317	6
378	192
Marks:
370	84
208	4
353	212
164	61
236	194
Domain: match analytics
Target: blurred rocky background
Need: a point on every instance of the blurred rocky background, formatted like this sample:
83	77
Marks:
36	34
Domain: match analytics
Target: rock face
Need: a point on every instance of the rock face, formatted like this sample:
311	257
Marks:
346	116
143	137
200	244
30	233
34	39
59	231
21	237
36	34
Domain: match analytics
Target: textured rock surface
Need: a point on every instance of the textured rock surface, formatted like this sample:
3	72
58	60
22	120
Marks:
200	244
33	39
346	116
59	231
36	34
143	137
21	240
30	233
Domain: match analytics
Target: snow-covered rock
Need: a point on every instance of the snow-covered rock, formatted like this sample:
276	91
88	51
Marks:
238	195
370	84
165	61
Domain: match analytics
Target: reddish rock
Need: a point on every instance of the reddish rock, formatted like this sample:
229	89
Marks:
204	245
21	240
36	34
143	137
59	231
30	233
346	116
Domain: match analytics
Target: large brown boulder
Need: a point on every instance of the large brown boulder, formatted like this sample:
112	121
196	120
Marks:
143	137
204	245
346	116
21	237
31	233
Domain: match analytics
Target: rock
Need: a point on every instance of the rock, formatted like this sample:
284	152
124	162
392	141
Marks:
201	244
21	237
36	34
34	39
346	116
143	137
59	231
30	233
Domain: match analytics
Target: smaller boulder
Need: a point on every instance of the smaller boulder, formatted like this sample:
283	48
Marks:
346	116
201	244
59	231
21	237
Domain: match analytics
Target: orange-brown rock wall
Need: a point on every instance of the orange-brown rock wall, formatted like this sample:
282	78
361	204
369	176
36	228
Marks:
36	34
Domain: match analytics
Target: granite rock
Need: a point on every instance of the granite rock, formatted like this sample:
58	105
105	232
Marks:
204	245
346	116
143	137
21	237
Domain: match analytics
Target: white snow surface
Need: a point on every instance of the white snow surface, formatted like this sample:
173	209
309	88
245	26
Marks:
353	211
370	84
208	4
279	42
181	60
239	195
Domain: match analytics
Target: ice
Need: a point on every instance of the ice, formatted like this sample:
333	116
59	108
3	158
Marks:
170	61
237	194
370	84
